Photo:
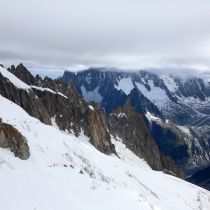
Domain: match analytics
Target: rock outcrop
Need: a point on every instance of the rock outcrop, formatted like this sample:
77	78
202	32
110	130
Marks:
11	138
96	128
131	128
22	73
71	113
25	98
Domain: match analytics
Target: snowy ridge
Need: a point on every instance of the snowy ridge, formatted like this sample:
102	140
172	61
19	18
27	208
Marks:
65	172
13	79
21	85
49	90
151	117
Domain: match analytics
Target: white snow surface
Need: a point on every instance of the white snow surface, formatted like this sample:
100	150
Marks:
156	95
43	89
125	84
51	179
170	83
91	107
93	95
185	129
49	90
151	117
21	85
13	79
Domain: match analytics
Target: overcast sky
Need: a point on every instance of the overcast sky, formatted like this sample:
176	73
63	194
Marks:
120	33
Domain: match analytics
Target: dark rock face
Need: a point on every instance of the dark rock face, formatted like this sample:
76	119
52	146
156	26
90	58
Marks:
27	99
170	141
142	104
75	116
130	127
190	148
11	138
201	178
193	87
96	128
22	73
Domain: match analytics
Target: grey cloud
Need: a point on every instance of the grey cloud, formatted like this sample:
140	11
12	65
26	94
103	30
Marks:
129	33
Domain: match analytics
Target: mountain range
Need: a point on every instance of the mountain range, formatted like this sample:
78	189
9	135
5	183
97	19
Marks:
176	110
126	139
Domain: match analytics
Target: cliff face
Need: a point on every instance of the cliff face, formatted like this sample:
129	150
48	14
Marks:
130	127
22	73
11	138
96	128
25	98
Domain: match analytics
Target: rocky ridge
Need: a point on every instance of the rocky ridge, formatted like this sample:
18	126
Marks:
180	105
130	126
12	139
70	112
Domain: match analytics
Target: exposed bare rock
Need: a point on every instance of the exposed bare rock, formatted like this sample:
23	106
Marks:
96	128
22	73
169	166
27	99
130	127
74	115
65	105
11	138
67	115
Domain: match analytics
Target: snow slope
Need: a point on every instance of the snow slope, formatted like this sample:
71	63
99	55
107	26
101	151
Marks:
170	83
13	79
156	95
65	172
125	84
91	95
49	90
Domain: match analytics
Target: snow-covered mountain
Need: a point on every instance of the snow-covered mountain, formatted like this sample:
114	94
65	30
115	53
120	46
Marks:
181	105
185	101
67	171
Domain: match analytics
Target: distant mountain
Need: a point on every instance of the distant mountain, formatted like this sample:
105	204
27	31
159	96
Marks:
183	101
176	109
